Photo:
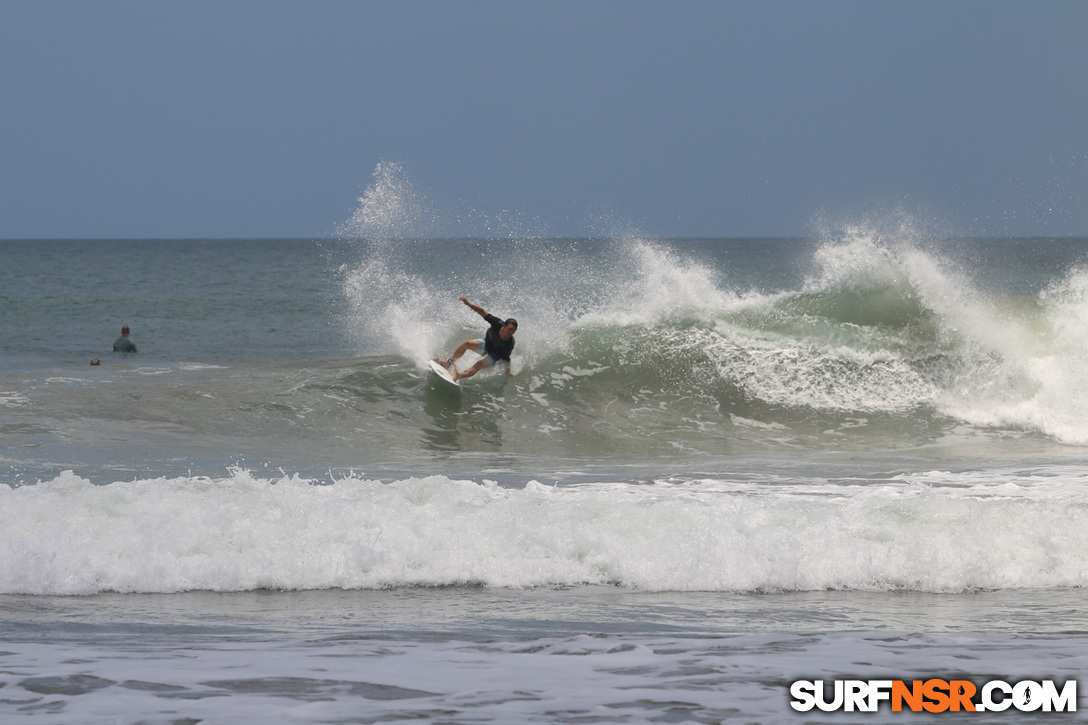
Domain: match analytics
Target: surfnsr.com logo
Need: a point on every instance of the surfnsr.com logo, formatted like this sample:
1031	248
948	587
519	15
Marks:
934	695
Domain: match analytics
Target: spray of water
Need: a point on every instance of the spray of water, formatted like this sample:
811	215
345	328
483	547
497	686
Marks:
390	208
887	320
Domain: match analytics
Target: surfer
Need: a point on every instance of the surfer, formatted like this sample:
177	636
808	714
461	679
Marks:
123	344
496	345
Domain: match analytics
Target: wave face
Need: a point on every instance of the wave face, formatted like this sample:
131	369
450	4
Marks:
859	335
927	532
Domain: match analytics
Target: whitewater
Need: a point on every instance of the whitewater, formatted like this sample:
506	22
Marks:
933	532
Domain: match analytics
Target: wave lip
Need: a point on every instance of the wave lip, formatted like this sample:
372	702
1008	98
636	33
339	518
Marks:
933	532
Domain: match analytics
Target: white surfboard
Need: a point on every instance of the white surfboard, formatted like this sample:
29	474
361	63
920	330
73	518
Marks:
443	373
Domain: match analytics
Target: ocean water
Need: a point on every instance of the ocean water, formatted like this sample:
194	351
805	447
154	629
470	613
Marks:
719	466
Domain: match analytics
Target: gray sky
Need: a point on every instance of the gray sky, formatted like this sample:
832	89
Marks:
230	118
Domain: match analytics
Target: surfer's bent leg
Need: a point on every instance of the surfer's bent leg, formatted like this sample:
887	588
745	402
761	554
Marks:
461	350
482	363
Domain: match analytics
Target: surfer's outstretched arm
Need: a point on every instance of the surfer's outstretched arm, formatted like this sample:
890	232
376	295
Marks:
475	308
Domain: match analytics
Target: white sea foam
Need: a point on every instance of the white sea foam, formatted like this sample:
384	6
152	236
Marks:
1049	380
934	532
1022	364
13	399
